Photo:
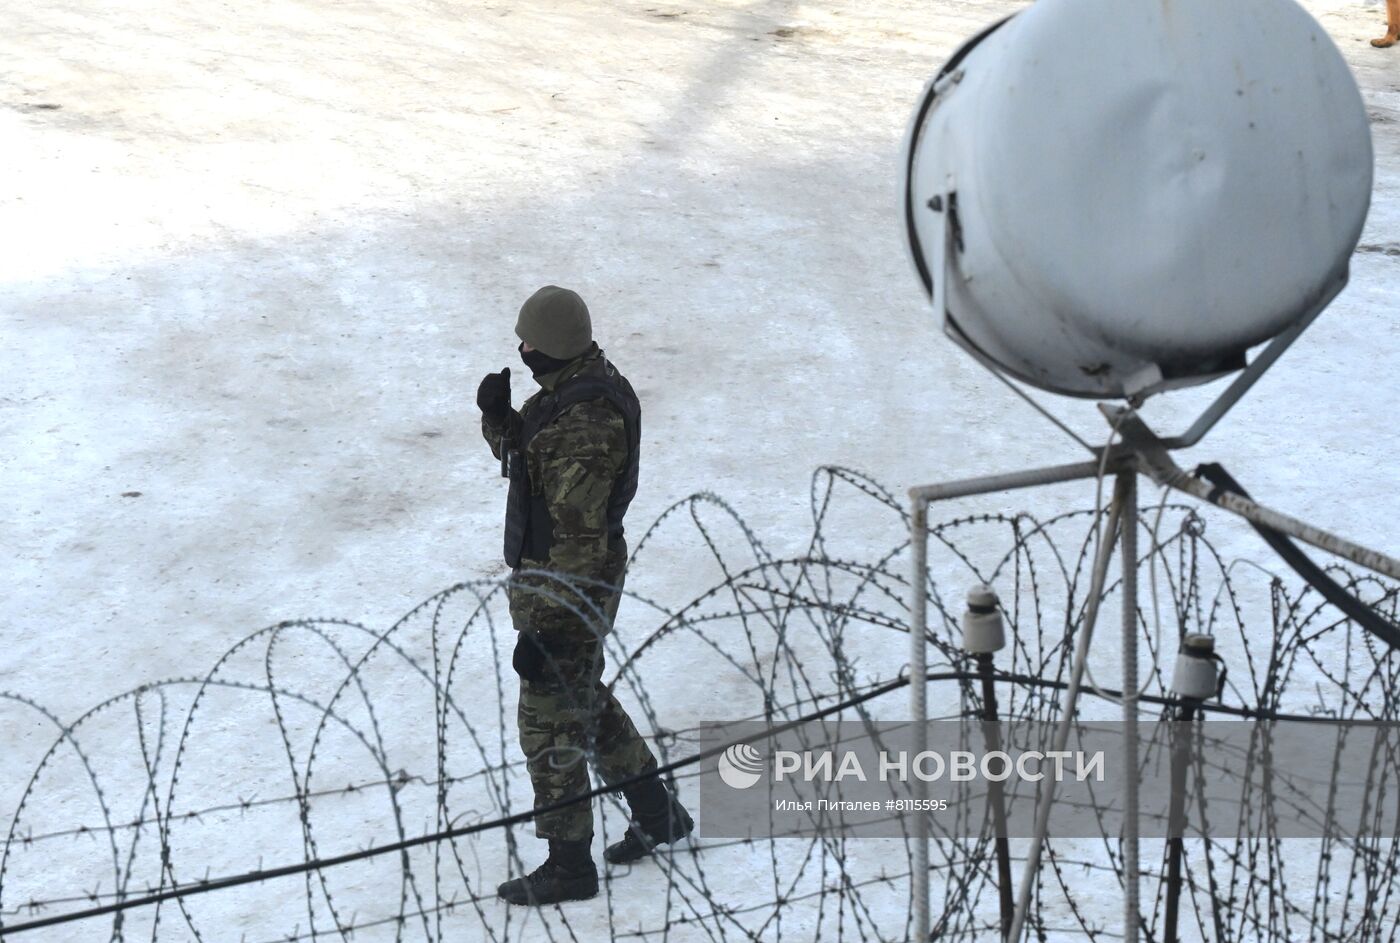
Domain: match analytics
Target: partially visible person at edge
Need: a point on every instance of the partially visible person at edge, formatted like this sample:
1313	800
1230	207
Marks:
571	454
1392	26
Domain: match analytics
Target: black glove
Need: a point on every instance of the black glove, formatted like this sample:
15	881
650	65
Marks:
529	658
493	395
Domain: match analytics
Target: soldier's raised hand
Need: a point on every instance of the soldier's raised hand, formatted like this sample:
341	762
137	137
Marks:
493	395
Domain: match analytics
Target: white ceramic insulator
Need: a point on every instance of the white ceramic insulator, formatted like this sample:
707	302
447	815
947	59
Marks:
1195	676
984	631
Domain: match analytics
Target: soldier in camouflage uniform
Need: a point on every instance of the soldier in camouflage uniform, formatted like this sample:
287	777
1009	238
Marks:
571	454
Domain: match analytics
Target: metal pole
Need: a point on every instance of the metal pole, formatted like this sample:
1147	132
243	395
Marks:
918	709
1157	462
1258	514
1068	702
996	793
1127	498
1010	482
1176	824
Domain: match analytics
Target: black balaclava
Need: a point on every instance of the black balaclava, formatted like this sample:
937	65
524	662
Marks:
541	363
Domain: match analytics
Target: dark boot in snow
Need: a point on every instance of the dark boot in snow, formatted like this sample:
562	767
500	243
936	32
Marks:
567	874
657	819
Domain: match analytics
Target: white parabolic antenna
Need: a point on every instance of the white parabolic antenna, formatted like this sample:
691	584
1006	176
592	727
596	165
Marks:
1109	198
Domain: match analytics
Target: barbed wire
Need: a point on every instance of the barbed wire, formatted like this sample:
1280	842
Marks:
380	766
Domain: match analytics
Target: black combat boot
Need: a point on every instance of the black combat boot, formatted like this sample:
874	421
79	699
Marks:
567	874
657	819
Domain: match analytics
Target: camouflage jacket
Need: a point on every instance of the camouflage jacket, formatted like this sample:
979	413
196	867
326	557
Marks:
573	463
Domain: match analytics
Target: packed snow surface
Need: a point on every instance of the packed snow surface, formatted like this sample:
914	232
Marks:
257	256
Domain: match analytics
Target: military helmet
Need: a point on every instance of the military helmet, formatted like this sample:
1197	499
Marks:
555	322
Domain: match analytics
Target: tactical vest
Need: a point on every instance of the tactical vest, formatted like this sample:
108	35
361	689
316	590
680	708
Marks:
529	526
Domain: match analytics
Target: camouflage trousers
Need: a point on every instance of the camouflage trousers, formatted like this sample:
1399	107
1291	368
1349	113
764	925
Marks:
569	716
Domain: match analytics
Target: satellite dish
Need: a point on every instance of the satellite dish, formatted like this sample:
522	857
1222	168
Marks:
1109	198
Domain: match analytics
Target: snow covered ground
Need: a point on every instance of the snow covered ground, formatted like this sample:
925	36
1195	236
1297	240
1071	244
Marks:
257	256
